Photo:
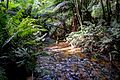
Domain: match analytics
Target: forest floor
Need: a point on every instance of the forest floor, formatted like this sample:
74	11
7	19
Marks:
64	62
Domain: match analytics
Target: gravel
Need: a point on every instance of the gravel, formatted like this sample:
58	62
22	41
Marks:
73	67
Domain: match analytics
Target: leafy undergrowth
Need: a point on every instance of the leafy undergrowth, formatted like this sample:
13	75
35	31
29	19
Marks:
63	62
98	39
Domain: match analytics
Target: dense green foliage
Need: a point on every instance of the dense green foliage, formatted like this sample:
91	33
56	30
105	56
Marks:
26	24
17	31
97	35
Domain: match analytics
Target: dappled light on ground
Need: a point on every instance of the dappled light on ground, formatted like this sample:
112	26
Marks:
66	49
67	63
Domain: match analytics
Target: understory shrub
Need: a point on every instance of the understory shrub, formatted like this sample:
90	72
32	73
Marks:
18	38
25	57
97	39
2	74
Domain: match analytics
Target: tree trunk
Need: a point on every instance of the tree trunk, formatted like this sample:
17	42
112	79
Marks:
103	10
74	23
79	13
108	12
77	16
117	10
7	3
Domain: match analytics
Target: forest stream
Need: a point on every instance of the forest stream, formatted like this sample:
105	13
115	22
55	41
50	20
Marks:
64	62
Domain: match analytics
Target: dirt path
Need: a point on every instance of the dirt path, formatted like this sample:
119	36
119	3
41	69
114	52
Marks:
64	62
